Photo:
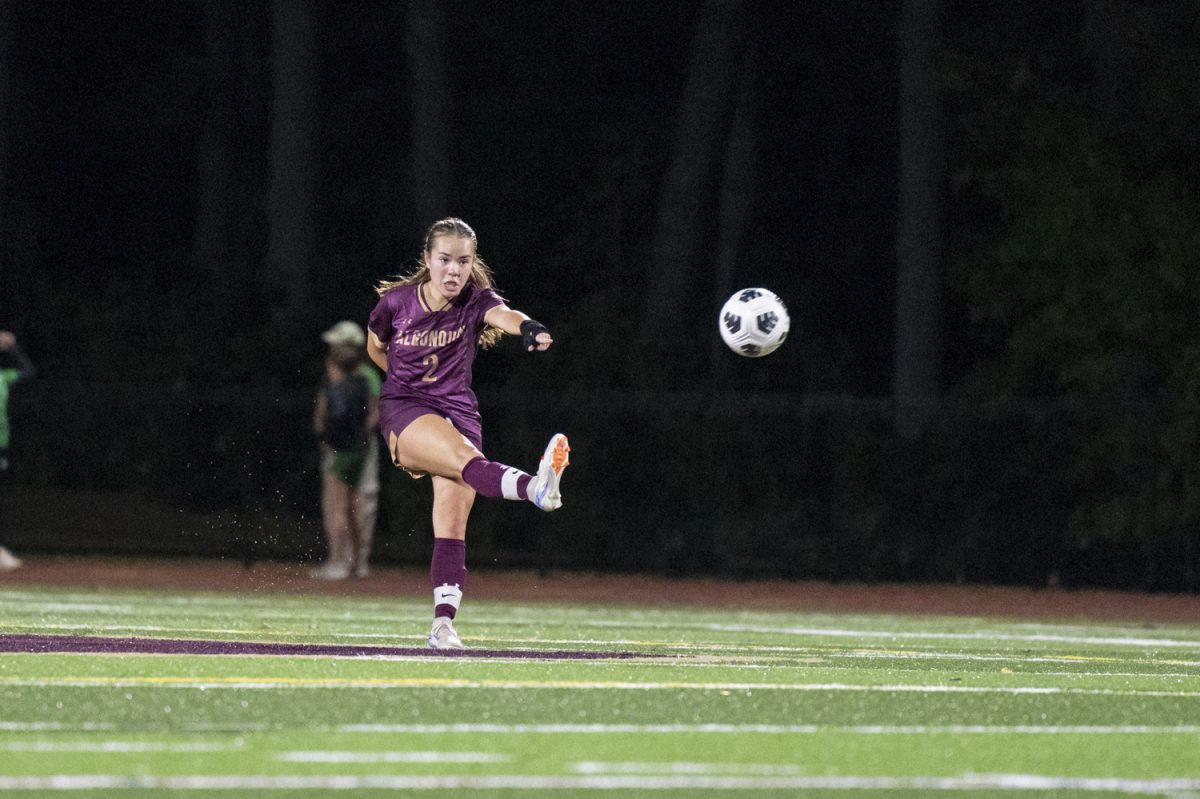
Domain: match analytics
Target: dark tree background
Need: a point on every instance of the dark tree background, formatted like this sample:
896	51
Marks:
981	215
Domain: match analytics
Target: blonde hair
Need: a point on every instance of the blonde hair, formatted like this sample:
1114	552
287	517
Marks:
481	273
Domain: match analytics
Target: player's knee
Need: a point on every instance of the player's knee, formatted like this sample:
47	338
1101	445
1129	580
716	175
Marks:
464	453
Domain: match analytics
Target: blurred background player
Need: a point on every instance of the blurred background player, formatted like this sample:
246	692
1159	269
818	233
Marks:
424	332
14	366
345	419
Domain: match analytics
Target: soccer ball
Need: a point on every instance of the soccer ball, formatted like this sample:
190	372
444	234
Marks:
754	322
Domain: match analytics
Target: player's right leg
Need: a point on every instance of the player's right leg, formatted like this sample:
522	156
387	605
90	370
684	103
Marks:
452	503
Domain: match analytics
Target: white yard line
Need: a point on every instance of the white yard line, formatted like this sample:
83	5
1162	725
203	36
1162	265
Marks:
54	726
983	636
322	756
765	729
175	632
232	728
685	767
467	728
277	683
606	782
113	747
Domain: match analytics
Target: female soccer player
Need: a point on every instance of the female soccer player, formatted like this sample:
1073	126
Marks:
424	333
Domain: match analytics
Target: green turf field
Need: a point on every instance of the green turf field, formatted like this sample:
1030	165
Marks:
717	703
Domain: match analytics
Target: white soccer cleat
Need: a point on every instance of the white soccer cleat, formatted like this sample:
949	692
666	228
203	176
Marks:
443	636
544	488
8	561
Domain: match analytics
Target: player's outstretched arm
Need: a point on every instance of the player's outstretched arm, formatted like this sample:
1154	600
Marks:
534	335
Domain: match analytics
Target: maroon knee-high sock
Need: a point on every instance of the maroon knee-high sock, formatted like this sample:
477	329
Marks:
448	575
492	479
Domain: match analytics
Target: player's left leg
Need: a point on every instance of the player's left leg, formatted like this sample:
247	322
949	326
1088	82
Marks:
452	502
438	446
492	479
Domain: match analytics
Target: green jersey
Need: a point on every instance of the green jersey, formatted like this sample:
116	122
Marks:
8	376
373	376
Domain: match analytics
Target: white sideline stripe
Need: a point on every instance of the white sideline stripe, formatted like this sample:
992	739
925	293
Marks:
644	767
766	729
57	726
834	633
148	628
1107	674
54	726
251	683
603	782
110	747
390	757
913	654
91	607
973	636
866	632
621	729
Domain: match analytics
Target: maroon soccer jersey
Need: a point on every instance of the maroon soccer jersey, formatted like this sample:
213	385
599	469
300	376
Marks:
430	353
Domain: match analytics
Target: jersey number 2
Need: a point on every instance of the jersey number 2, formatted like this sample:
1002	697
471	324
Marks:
430	361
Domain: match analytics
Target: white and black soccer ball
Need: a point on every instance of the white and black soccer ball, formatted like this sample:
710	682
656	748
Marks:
754	322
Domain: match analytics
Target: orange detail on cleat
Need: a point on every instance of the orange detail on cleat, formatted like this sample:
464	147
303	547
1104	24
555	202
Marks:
543	491
559	460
